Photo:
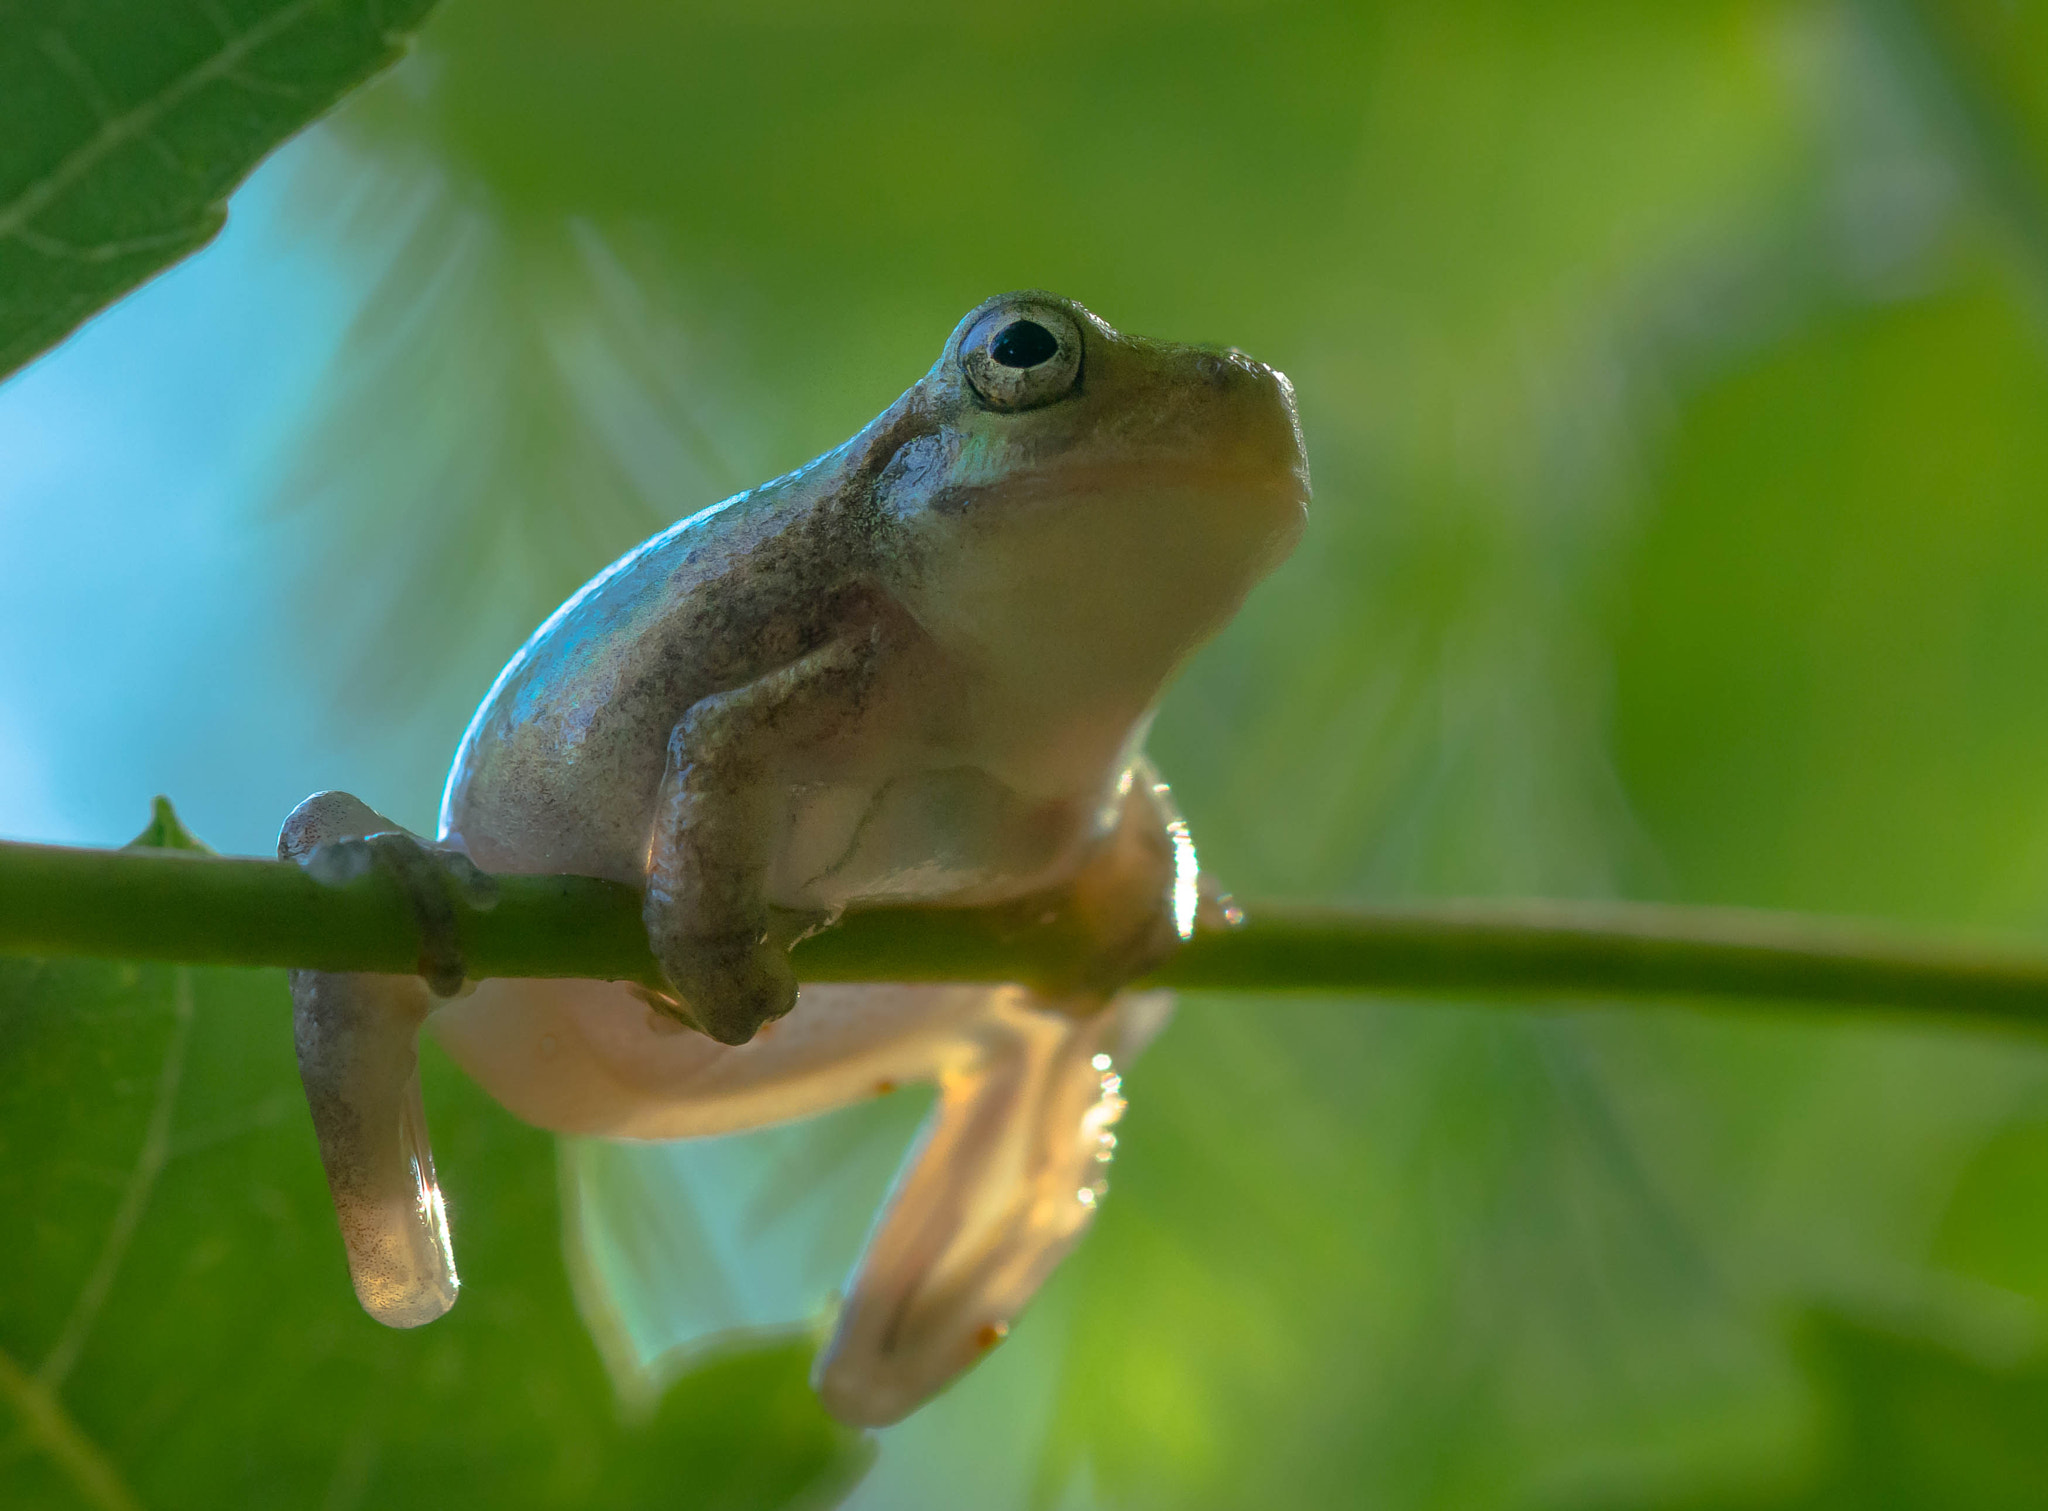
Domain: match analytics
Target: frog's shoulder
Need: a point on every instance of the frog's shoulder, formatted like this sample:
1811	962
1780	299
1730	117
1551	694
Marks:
655	594
691	555
679	616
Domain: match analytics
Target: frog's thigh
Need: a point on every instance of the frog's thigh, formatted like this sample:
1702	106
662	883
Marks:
591	1057
1003	1183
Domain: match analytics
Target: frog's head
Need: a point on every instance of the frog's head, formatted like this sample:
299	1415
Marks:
1082	506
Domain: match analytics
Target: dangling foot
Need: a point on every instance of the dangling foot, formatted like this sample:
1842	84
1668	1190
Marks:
1005	1179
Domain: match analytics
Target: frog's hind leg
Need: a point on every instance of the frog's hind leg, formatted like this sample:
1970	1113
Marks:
357	1039
1003	1183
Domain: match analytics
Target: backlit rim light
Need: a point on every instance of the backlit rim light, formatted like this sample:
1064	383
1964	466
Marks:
1096	1123
433	1210
1187	879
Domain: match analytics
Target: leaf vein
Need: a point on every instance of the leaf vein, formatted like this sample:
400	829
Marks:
149	1163
58	250
57	1433
72	66
122	129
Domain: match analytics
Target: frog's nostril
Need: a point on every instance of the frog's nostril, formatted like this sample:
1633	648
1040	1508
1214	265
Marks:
1218	368
1230	368
1024	343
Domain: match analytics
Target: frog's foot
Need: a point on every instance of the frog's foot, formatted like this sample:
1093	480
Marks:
728	986
357	1039
1007	1177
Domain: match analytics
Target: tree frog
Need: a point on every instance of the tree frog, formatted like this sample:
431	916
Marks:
919	669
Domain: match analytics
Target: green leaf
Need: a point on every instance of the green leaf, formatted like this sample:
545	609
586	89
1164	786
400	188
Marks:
178	1328
1904	1423
124	125
1995	1230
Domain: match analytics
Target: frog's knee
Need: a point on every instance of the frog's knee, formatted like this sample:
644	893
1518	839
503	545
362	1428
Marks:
338	838
327	816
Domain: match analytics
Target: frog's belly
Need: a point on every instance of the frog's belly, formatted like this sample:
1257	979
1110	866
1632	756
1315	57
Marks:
590	1057
955	834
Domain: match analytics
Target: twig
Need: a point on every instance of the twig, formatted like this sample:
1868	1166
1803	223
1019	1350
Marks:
209	910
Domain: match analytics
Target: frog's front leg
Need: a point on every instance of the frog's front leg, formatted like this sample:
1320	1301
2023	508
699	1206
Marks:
721	943
357	1039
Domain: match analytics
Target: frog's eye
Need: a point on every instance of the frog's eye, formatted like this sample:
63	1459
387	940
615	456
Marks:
1022	356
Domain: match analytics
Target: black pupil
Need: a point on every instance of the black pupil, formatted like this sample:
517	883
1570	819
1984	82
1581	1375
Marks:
1024	343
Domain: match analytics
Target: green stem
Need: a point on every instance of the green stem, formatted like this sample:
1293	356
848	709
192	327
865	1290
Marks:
179	905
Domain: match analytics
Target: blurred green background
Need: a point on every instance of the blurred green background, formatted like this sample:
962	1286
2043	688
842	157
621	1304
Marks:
1676	384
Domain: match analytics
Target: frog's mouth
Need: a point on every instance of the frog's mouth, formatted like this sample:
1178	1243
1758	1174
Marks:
1231	498
1101	579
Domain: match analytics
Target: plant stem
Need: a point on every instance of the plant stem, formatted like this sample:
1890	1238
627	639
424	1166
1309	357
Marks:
180	905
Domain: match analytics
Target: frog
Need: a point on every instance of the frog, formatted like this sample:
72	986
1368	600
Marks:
916	671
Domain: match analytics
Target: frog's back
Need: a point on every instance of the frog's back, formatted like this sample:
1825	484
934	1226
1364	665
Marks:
559	768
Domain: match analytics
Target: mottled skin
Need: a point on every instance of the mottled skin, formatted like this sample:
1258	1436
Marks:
918	669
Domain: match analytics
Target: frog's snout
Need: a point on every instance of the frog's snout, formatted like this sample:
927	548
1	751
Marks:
1250	420
1235	376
